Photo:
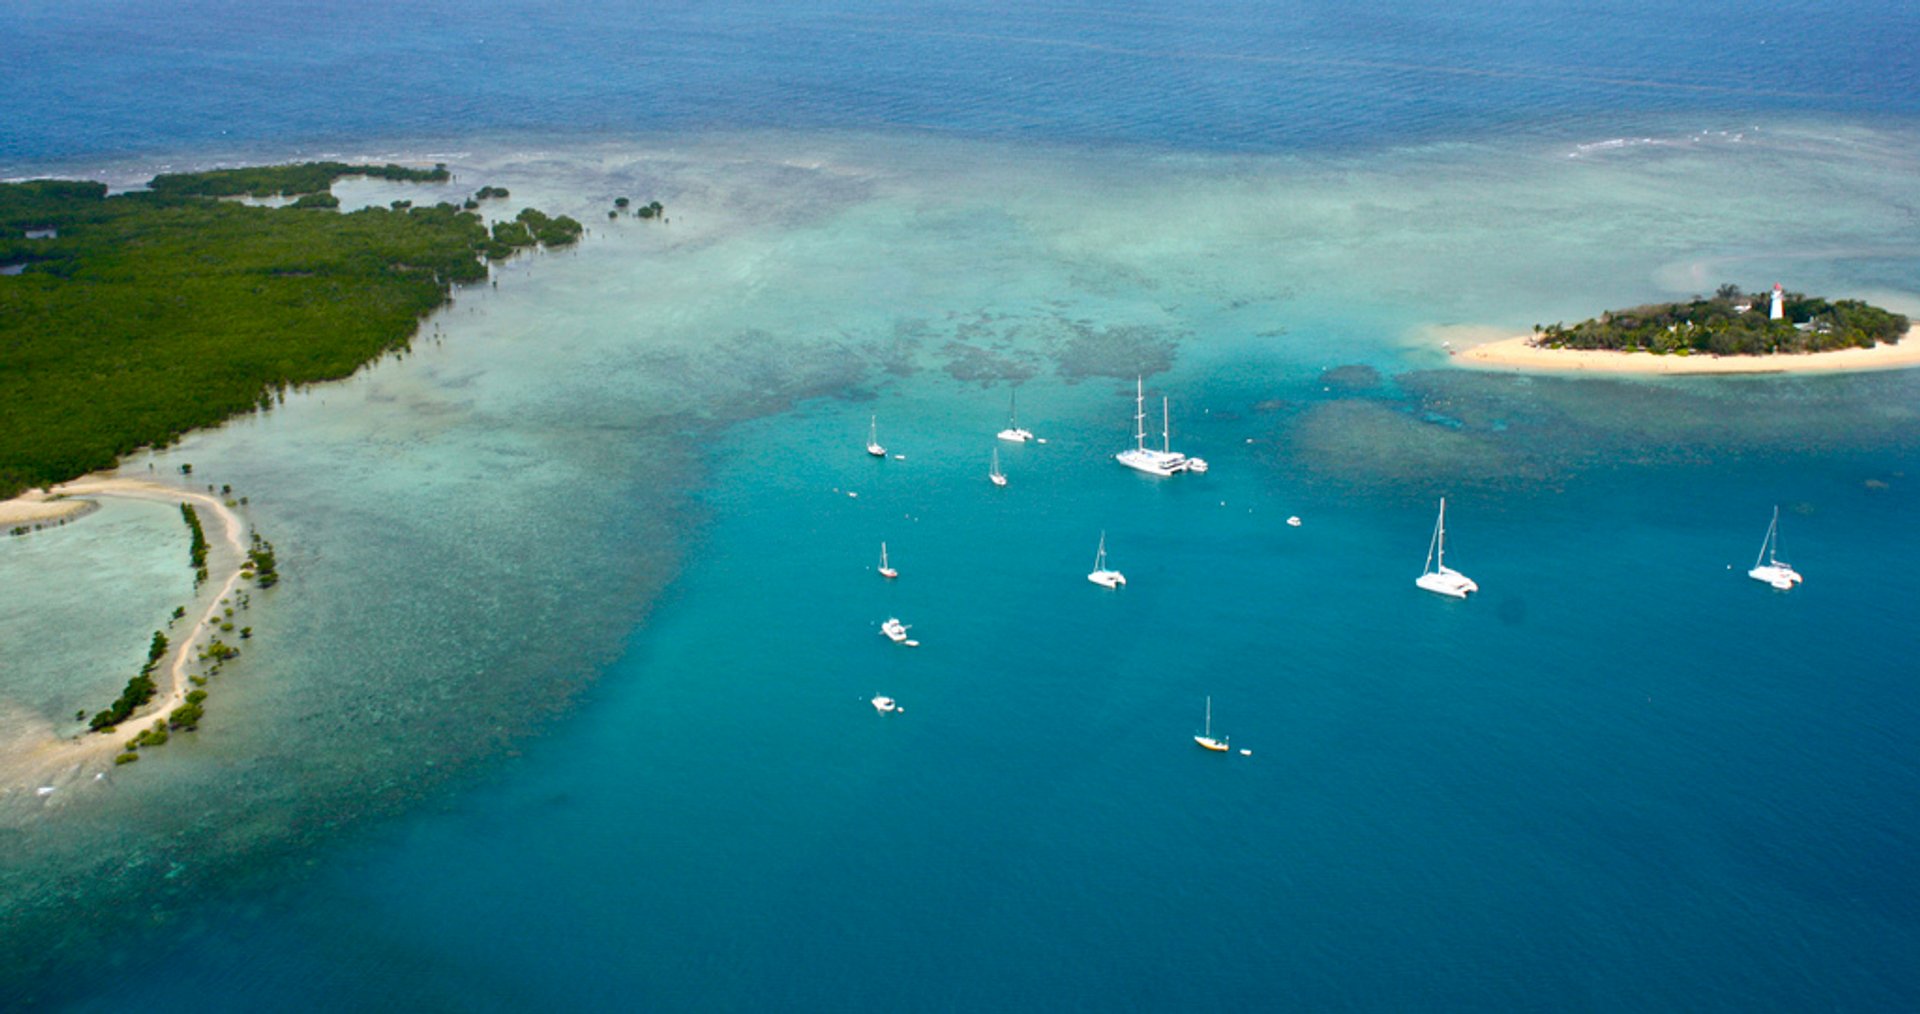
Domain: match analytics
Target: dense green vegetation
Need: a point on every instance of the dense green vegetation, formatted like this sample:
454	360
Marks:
273	180
140	689
151	313
197	553
1722	327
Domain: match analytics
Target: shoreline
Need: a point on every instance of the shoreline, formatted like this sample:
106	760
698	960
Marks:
40	762
1519	355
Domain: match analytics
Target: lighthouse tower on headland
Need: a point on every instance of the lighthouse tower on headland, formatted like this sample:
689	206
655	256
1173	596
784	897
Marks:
1777	309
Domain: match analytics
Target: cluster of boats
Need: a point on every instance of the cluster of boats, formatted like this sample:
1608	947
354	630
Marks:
1435	575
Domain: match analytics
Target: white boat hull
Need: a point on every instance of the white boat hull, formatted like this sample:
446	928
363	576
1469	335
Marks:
1209	743
1144	461
885	705
1107	578
1778	575
997	480
1447	582
1015	435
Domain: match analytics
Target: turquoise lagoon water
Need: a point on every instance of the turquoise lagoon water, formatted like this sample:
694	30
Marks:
564	699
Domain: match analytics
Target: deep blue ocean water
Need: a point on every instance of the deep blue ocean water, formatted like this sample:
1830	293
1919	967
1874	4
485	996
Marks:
1622	777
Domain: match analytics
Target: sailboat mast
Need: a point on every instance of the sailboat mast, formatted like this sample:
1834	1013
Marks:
1440	535
1139	414
1766	544
1013	409
1209	732
1166	427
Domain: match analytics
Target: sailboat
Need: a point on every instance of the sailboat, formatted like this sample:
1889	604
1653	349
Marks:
1437	577
1013	432
994	473
1101	575
1767	566
886	571
873	438
1142	458
1205	739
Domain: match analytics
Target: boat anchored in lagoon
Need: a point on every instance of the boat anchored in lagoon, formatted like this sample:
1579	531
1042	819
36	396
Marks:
1013	433
994	475
1142	458
895	631
1101	575
1767	566
1437	577
1206	740
873	438
886	570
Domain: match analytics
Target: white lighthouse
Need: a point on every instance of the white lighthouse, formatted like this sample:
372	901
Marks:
1777	309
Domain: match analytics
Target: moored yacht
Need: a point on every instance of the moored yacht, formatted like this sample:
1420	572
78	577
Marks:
1101	575
1437	577
1767	566
873	438
994	475
1205	739
1141	458
1014	433
886	569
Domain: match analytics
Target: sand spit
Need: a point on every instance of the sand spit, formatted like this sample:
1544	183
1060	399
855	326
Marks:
37	764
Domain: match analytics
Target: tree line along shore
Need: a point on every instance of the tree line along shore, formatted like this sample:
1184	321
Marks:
127	320
1732	323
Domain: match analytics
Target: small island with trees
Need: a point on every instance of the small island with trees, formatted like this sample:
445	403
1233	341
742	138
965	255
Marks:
1731	332
1734	324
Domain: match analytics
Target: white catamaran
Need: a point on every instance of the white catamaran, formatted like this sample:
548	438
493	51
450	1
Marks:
1140	457
1767	566
1013	433
873	438
994	474
1205	739
1437	577
1101	575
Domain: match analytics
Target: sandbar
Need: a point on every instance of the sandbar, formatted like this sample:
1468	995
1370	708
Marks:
1519	354
39	508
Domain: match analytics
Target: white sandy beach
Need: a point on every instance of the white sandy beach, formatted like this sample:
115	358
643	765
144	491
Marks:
35	757
1520	355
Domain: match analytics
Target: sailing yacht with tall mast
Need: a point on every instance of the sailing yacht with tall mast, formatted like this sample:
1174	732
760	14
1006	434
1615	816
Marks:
1767	566
873	438
997	477
1101	575
1141	458
1205	739
1437	577
886	569
1014	433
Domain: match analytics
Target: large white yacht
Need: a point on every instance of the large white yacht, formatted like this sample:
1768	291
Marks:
1141	458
